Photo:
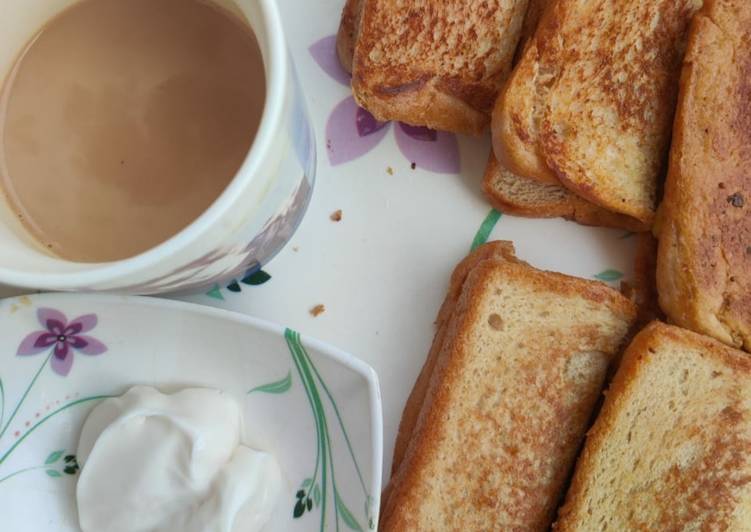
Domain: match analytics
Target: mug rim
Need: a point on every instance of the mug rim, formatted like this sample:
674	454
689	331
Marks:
107	272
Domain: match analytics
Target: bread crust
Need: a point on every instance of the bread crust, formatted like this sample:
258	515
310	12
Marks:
518	111
401	508
346	37
702	515
645	282
434	63
704	260
540	200
535	10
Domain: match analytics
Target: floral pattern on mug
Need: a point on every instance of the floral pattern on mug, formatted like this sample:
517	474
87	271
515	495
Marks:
63	338
351	131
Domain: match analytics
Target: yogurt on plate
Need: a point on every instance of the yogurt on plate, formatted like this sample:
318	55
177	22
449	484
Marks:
172	463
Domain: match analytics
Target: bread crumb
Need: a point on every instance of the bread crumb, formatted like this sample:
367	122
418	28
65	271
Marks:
295	249
389	170
413	166
317	310
336	216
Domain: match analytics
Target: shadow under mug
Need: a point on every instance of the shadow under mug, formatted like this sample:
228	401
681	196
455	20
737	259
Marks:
242	230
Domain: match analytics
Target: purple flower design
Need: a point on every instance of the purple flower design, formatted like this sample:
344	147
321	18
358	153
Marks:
351	131
63	337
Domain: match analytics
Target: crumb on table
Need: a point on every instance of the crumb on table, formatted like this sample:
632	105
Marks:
389	170
295	249
413	166
317	310
336	216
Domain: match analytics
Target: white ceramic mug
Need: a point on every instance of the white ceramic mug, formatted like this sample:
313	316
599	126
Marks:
244	228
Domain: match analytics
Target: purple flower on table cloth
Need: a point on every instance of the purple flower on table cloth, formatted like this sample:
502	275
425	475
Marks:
63	337
351	131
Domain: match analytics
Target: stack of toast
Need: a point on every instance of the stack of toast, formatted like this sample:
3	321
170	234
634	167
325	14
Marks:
589	105
594	100
493	425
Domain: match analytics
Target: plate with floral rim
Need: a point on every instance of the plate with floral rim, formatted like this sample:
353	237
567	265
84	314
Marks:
316	408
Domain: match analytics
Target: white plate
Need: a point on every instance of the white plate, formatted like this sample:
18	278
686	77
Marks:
316	408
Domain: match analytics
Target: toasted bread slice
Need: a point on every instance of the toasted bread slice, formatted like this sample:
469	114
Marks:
704	263
591	101
517	118
671	448
519	196
435	63
350	22
498	250
609	143
520	367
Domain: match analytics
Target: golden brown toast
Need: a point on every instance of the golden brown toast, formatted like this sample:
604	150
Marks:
435	63
591	101
519	196
671	448
518	113
704	263
497	250
521	363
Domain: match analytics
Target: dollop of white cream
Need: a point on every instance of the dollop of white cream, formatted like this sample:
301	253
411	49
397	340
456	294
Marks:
154	462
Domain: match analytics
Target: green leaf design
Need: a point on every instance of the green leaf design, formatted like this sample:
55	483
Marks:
257	278
307	482
215	293
53	473
54	457
277	387
52	414
609	275
234	287
317	495
487	226
346	515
